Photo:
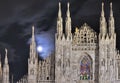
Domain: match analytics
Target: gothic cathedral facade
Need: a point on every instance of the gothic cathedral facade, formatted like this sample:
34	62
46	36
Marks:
80	57
85	56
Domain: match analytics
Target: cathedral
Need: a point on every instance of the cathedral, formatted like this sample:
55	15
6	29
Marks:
80	57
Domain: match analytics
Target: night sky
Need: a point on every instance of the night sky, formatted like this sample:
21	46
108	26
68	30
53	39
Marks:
18	16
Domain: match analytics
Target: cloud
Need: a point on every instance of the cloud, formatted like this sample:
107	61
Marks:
46	40
88	5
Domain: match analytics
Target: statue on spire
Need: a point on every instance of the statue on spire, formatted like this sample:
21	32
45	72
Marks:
59	12
111	11
68	9
102	13
111	21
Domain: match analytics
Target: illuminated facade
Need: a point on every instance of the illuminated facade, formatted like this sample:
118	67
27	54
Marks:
85	56
80	57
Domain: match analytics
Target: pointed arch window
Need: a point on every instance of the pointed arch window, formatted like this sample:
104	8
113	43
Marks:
85	68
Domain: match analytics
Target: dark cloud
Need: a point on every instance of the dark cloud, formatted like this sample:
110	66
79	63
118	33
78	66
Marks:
88	5
23	11
46	41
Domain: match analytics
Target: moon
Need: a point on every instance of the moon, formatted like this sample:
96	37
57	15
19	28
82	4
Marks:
39	49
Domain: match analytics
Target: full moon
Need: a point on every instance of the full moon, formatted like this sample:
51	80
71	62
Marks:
39	48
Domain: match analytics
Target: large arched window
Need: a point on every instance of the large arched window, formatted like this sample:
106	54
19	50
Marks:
85	68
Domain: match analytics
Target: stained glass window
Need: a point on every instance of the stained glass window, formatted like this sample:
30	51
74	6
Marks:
85	66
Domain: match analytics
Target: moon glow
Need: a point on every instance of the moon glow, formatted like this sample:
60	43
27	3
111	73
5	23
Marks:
39	49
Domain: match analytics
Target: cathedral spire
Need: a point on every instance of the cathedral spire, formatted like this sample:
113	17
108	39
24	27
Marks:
68	9
59	12
59	22
68	21
33	45
103	24
111	11
33	60
111	21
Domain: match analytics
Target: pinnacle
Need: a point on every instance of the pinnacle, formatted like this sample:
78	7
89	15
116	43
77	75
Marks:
111	11
59	12
102	13
68	10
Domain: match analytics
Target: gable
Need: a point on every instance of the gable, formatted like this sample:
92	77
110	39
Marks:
84	35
